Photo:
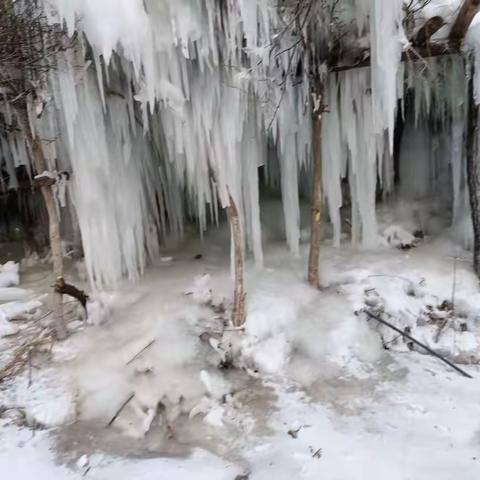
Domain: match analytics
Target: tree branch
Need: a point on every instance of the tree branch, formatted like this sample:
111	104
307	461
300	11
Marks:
467	11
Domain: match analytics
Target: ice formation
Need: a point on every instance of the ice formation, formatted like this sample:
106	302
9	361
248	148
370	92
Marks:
165	108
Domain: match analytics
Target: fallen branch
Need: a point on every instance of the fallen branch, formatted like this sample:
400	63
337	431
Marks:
120	410
414	340
66	289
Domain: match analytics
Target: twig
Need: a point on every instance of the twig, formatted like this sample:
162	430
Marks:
146	347
21	357
119	411
317	453
414	340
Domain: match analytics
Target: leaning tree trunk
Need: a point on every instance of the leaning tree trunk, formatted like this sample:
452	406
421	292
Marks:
315	232
473	174
55	239
238	313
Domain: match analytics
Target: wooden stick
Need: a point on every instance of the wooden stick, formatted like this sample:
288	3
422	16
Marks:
119	411
428	349
146	347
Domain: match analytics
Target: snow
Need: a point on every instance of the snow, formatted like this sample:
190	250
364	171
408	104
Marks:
310	364
11	310
175	111
47	400
9	275
21	446
6	328
14	302
11	293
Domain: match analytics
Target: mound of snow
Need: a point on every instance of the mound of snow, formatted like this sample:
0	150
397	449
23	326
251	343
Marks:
398	237
307	336
99	308
7	328
13	310
10	294
9	275
201	290
48	398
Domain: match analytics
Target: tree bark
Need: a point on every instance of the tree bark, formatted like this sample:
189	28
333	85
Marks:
473	173
468	10
431	26
315	232
67	289
238	312
55	239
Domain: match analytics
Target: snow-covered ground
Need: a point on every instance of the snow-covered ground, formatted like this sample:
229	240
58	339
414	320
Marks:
314	395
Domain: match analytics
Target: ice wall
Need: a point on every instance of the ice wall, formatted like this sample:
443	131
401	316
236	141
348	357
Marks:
198	73
183	98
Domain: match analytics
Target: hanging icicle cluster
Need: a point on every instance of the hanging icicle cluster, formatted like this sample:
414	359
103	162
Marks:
165	108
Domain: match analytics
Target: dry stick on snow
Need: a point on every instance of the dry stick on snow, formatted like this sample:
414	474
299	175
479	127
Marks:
120	410
315	232
55	240
144	349
414	340
238	313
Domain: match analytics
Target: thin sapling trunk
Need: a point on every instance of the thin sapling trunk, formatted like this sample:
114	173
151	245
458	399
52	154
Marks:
55	239
316	216
238	313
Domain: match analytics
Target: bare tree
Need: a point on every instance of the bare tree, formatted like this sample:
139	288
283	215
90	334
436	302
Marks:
28	48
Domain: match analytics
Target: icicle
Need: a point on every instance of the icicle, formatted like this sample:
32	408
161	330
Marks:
387	38
333	152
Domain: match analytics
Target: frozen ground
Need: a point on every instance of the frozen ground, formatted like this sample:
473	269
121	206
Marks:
315	395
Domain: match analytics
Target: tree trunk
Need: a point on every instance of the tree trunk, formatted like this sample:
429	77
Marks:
55	239
473	174
238	313
315	233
